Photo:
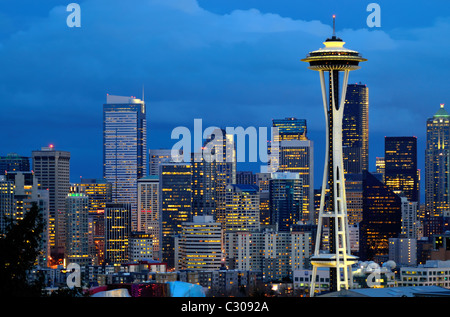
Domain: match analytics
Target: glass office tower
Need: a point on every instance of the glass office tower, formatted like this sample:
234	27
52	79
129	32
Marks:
401	173
355	129
124	148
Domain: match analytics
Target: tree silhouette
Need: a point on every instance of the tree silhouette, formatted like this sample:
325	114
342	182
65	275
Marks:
19	249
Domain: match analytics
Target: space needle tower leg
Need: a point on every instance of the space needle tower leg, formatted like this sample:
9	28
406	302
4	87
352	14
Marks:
333	59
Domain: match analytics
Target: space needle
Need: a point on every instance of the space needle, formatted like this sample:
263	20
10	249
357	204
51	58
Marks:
334	60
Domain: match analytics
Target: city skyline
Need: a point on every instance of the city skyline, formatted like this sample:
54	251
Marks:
104	98
248	58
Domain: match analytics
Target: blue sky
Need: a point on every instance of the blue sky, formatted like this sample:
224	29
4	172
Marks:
229	62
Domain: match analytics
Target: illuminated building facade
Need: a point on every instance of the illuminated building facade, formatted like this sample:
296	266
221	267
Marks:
401	173
52	170
77	228
381	219
203	185
19	191
290	129
242	208
296	155
148	210
141	247
175	205
12	162
355	129
437	169
286	200
124	148
221	146
117	233
99	192
199	245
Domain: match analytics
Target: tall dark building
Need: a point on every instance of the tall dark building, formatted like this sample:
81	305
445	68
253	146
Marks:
355	129
285	200
381	219
175	203
14	163
401	173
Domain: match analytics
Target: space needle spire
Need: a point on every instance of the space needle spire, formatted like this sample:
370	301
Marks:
333	60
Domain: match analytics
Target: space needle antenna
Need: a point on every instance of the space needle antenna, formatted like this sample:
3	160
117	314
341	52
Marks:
334	25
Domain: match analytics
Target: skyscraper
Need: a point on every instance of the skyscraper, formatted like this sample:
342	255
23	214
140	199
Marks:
401	173
242	208
124	148
381	219
99	192
355	129
175	203
333	59
77	227
286	199
220	153
52	170
117	233
148	210
437	164
296	155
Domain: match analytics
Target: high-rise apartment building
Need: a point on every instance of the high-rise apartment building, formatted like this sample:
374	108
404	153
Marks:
437	164
52	170
77	227
124	148
99	192
401	173
355	129
148	210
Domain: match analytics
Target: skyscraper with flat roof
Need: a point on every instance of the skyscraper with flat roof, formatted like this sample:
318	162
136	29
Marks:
401	173
355	129
175	205
52	170
124	148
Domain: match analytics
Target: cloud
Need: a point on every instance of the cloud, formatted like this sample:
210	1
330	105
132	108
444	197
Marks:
240	68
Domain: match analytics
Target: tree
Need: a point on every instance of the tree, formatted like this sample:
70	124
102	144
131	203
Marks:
19	249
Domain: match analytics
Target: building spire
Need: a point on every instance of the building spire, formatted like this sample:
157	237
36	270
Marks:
334	25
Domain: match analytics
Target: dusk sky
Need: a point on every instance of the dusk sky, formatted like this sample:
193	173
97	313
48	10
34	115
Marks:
229	62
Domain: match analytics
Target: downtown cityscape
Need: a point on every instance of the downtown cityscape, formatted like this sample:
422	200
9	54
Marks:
324	172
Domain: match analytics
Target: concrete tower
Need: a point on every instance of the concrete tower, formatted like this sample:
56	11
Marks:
333	59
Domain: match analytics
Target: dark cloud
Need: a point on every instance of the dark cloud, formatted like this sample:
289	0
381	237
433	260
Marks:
238	68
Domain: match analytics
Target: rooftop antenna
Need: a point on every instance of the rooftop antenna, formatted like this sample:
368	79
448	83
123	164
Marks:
143	93
334	25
